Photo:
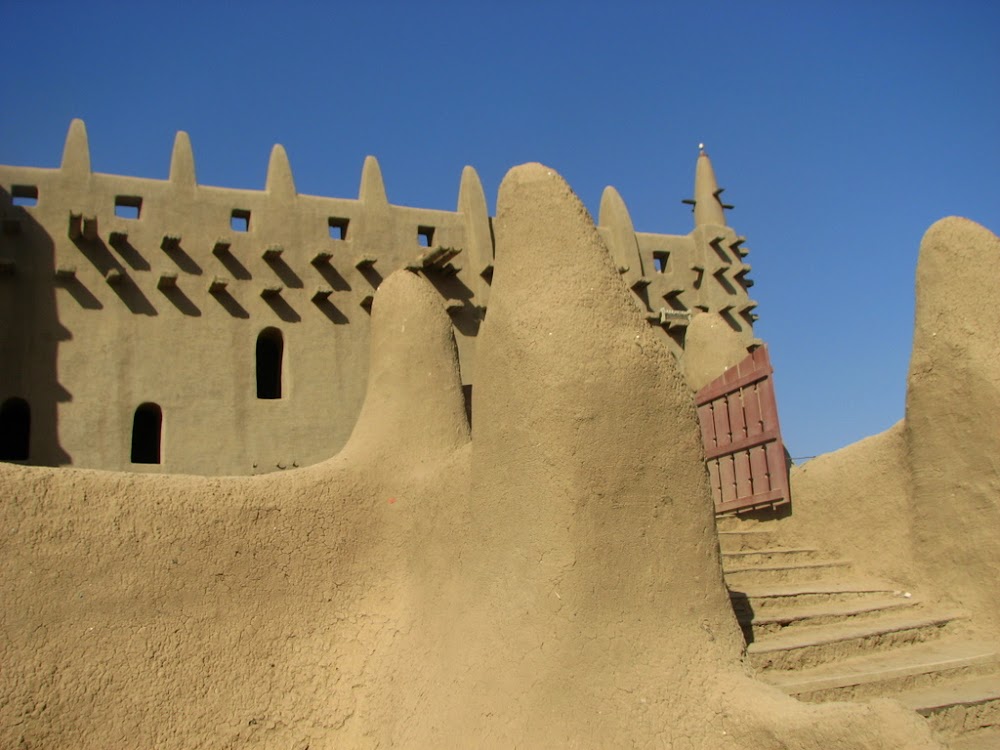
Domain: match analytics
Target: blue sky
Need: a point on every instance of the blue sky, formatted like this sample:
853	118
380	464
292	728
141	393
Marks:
841	131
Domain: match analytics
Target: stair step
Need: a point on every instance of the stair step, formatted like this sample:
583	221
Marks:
807	647
886	672
958	707
801	571
770	555
987	738
734	541
765	597
781	620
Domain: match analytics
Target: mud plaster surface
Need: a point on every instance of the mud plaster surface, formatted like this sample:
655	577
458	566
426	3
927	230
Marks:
552	580
920	503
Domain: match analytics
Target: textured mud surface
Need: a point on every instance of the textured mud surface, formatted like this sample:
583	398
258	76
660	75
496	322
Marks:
550	580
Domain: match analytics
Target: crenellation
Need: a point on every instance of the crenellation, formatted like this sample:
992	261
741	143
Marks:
114	259
182	174
280	184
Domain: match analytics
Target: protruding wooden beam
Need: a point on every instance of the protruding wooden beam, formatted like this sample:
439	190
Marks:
114	276
273	253
321	293
218	285
167	281
75	230
90	227
170	242
270	292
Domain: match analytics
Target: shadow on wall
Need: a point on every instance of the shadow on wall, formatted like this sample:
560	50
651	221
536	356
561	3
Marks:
30	333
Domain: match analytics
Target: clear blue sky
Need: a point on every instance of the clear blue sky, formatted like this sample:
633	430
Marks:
841	131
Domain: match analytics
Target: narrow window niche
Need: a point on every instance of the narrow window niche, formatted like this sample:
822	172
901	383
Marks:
338	227
15	430
24	195
239	220
660	258
425	236
147	431
270	353
128	206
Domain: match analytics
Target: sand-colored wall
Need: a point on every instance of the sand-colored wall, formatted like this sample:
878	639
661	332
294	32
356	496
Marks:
953	414
85	353
85	349
920	503
547	585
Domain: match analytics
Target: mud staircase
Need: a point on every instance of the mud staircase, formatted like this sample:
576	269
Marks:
820	632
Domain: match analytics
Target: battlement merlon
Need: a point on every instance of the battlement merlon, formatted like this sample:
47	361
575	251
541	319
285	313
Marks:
676	274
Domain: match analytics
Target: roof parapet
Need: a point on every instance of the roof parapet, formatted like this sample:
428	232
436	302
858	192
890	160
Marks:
707	205
372	190
613	215
280	182
76	151
472	206
182	172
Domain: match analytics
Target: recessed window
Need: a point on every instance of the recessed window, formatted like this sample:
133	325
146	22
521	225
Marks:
425	236
338	228
24	195
270	351
660	260
147	428
15	430
128	206
239	221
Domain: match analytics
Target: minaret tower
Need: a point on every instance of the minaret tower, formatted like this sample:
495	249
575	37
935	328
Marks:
707	205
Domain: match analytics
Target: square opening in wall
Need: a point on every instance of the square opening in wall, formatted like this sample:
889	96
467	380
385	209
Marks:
338	228
660	260
239	220
425	236
128	206
24	195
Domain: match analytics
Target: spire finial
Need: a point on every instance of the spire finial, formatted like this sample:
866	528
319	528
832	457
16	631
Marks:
182	161
279	173
708	207
76	152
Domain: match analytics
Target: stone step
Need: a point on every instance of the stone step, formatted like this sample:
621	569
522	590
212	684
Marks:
776	620
815	570
734	541
987	738
895	671
958	707
769	556
766	597
808	647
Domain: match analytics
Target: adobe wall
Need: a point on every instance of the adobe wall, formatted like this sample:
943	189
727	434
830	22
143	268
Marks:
100	312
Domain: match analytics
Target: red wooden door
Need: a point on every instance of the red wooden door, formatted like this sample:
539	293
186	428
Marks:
742	438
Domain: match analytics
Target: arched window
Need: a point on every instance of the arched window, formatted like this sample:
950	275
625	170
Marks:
270	348
147	426
15	429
